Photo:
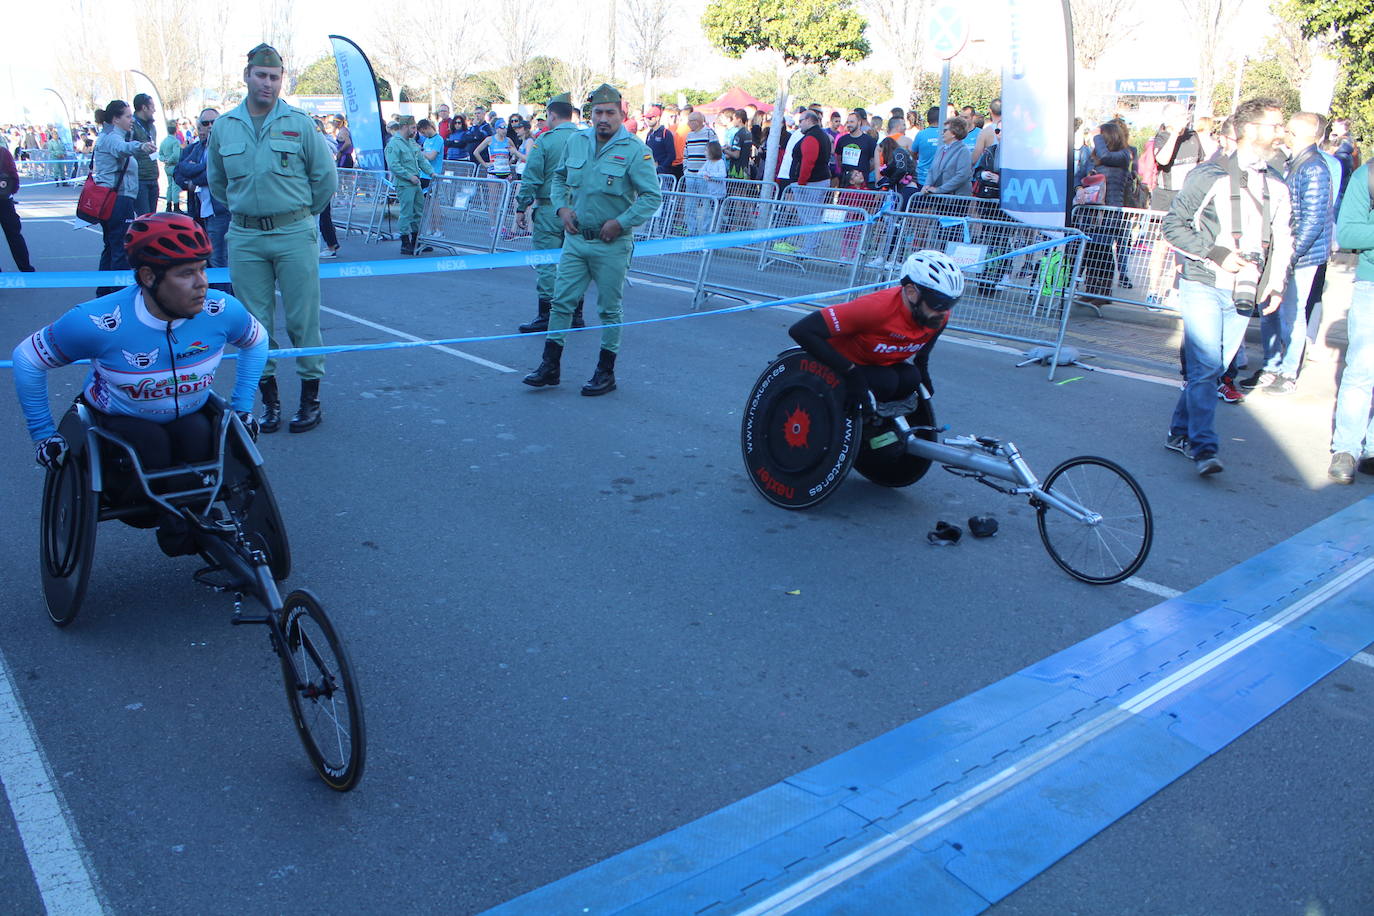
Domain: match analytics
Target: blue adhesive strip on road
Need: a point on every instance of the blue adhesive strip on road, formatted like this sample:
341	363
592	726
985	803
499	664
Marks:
963	806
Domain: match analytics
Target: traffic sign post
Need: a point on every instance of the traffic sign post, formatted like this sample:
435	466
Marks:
948	33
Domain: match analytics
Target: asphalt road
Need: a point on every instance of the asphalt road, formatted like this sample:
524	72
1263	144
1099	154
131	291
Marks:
572	622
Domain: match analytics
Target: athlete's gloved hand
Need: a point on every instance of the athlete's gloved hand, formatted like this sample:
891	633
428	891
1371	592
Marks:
51	452
249	422
857	393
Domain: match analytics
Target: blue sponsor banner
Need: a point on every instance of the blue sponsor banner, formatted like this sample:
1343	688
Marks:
360	103
1037	112
1183	85
1035	191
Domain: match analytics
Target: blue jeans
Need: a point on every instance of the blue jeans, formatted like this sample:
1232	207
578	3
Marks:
217	227
112	257
1354	423
1284	332
1211	333
147	198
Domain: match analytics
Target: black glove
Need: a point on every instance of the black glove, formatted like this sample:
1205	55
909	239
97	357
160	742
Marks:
249	422
51	452
857	394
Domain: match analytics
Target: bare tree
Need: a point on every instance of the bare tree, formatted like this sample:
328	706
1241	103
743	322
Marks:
649	38
224	70
85	74
394	52
902	29
515	24
278	30
1211	21
1097	25
575	70
170	50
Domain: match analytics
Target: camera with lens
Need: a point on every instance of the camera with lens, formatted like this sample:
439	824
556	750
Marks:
1245	292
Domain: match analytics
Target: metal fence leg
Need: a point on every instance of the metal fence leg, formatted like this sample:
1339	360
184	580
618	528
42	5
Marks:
1068	306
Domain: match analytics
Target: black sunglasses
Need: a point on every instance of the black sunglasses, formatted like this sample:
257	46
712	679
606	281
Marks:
207	123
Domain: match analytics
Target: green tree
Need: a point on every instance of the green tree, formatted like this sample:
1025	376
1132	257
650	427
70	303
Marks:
321	77
1263	76
1348	27
816	33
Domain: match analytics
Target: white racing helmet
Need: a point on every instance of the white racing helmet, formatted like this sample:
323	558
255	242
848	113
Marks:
938	277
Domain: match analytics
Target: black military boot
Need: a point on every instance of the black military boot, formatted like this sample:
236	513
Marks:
548	371
577	316
308	414
270	421
540	322
407	243
603	379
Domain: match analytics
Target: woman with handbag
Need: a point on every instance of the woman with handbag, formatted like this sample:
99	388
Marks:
1113	158
111	169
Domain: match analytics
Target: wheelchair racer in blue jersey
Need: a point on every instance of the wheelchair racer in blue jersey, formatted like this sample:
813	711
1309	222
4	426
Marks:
154	350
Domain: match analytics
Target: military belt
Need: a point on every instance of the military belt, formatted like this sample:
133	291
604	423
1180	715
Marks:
268	223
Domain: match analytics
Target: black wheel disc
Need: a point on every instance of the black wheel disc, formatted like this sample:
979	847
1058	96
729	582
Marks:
71	512
797	438
882	457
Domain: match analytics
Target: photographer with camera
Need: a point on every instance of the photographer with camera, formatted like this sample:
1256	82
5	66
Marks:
1230	222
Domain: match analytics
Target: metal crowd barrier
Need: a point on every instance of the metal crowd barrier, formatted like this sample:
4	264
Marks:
360	203
465	212
460	168
787	267
667	182
734	187
678	211
1126	259
39	167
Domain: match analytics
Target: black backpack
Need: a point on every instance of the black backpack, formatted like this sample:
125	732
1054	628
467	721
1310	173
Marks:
987	174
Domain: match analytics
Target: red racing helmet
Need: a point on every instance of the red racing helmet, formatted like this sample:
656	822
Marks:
165	239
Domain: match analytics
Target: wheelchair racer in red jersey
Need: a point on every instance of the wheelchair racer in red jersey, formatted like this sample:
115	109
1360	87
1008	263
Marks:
880	343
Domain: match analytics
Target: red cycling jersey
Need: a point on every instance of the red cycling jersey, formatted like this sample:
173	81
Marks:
877	329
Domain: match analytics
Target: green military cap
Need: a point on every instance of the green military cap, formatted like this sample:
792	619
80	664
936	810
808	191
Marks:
564	97
605	94
264	55
405	120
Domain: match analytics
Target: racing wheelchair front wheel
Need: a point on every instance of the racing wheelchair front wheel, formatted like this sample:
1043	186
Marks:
797	437
71	512
325	705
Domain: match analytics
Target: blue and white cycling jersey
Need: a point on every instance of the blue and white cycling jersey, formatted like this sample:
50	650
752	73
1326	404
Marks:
140	366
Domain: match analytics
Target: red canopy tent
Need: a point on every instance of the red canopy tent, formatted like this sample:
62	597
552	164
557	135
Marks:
735	98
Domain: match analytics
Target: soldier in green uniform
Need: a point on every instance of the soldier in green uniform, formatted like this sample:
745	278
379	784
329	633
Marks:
535	187
271	167
169	154
604	188
408	167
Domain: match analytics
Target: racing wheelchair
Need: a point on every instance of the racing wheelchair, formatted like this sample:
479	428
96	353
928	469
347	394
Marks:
231	519
799	442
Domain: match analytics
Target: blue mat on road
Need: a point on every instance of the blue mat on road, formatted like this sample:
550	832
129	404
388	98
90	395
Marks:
961	807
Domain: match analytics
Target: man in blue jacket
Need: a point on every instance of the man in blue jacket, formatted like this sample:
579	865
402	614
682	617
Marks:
210	213
1309	188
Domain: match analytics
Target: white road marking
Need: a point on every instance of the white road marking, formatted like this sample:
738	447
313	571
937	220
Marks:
45	825
1364	658
834	874
1154	588
404	336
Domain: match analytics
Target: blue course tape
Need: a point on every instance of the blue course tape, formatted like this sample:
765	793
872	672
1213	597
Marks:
959	808
403	267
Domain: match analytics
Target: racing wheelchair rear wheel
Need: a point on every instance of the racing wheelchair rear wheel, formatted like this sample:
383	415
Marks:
797	437
249	497
71	512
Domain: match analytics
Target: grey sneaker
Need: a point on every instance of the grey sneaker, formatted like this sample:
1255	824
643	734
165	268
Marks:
1261	379
1342	469
1177	443
1209	465
1282	384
